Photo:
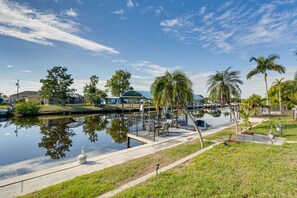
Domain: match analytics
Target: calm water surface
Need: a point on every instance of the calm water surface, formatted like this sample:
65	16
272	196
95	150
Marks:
37	143
32	144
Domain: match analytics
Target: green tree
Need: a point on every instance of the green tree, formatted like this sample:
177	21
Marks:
246	116
174	89
263	66
92	125
119	83
288	94
223	85
57	84
252	103
27	108
92	93
278	83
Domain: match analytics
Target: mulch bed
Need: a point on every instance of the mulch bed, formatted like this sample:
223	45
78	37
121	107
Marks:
248	133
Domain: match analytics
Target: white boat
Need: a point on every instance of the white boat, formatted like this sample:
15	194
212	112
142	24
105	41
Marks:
3	112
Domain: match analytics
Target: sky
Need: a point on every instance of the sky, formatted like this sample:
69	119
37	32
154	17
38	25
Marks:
145	37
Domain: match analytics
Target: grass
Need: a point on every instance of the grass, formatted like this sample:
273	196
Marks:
97	183
289	131
77	108
238	170
3	106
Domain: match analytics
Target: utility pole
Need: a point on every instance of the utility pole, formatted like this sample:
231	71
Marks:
18	87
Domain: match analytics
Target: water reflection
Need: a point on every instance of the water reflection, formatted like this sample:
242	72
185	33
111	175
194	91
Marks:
26	122
197	113
29	144
56	137
94	124
118	130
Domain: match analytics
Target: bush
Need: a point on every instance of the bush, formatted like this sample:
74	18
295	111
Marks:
27	108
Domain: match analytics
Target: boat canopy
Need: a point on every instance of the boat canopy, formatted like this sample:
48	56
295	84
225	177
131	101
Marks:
133	94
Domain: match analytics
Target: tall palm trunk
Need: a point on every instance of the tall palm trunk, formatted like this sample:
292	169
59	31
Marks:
280	100
268	104
195	126
235	119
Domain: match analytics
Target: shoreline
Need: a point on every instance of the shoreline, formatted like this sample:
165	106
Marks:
77	109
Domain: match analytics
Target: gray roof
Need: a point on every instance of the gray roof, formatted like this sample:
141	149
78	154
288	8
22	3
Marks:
76	95
26	94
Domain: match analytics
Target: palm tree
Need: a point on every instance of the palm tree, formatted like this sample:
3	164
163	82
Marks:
279	85
162	90
223	85
263	66
245	116
174	89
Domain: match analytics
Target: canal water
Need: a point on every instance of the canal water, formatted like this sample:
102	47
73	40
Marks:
36	143
32	144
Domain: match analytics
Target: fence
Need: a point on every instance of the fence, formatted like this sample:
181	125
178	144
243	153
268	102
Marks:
273	110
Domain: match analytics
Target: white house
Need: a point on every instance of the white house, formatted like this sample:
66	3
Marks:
111	100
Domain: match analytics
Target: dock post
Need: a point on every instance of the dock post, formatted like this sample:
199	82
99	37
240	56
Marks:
128	142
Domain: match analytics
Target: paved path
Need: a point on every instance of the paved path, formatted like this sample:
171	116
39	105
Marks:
38	180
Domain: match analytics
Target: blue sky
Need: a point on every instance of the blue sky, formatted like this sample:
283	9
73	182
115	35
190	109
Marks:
145	37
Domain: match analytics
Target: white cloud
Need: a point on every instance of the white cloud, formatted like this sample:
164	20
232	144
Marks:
71	13
159	11
237	24
202	10
26	71
118	12
130	4
147	9
199	83
152	69
141	77
9	66
119	61
20	21
170	23
79	2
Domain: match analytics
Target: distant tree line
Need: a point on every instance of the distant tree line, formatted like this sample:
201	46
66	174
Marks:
58	84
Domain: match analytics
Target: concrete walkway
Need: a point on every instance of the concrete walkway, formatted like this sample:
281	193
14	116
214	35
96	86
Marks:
38	180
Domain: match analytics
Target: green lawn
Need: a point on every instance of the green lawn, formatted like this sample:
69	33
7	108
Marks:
2	106
239	170
95	184
74	108
289	131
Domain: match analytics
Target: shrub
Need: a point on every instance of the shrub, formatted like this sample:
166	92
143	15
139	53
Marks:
27	108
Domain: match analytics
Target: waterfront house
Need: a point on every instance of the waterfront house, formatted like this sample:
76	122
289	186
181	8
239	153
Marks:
29	96
111	100
74	98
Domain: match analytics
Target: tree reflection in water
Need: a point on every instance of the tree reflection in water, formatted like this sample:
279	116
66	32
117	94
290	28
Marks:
56	137
92	125
25	122
198	113
118	130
